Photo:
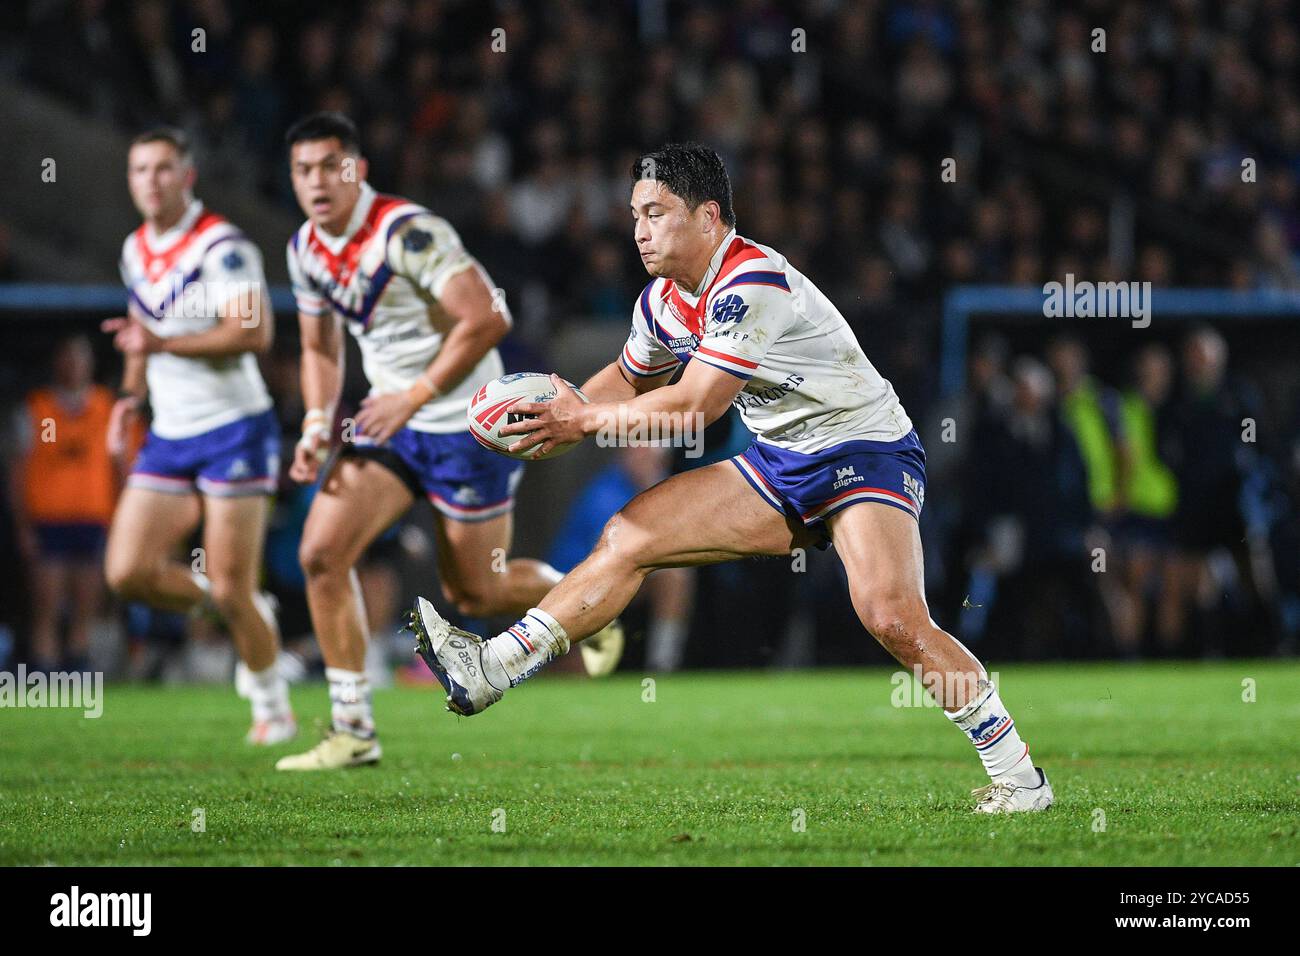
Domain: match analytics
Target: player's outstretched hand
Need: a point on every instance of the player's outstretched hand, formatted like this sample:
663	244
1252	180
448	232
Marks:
554	422
130	337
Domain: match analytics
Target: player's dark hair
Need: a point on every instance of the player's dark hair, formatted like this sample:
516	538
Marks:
166	134
694	172
325	124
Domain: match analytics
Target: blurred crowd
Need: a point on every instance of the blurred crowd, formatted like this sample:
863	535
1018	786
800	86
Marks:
1083	502
1148	516
1116	154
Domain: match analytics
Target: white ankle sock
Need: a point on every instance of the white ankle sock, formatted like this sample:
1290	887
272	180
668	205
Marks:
988	725
268	693
524	648
350	702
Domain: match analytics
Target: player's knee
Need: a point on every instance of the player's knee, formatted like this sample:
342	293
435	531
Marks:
623	542
894	620
131	580
319	560
229	594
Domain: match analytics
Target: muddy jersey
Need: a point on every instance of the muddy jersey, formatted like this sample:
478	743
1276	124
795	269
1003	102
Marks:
383	276
808	384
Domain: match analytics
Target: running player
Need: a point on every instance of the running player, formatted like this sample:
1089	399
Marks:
427	322
835	460
197	317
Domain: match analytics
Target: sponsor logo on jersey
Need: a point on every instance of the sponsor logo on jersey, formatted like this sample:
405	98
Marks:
467	495
915	489
846	476
392	337
753	397
730	308
416	240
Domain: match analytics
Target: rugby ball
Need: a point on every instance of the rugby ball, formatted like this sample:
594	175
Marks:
489	412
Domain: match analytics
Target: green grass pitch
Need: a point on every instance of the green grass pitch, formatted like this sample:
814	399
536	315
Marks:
1152	764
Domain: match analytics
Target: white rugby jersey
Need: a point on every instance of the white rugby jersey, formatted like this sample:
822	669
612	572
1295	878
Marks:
808	384
178	282
383	276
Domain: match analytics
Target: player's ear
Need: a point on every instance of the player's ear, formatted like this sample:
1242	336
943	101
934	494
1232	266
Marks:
712	213
363	169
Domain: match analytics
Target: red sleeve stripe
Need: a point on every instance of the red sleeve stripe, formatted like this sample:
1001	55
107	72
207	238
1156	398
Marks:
729	358
642	369
743	376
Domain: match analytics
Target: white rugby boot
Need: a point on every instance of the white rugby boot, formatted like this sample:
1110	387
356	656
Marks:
602	651
340	749
273	730
456	659
1002	796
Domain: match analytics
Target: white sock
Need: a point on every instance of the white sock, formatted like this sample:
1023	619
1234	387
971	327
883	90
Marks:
267	691
524	648
350	702
988	725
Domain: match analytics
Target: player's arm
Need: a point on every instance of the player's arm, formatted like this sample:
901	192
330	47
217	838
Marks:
741	327
131	397
321	379
133	391
246	324
233	281
702	391
481	321
613	384
427	251
134	384
643	365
